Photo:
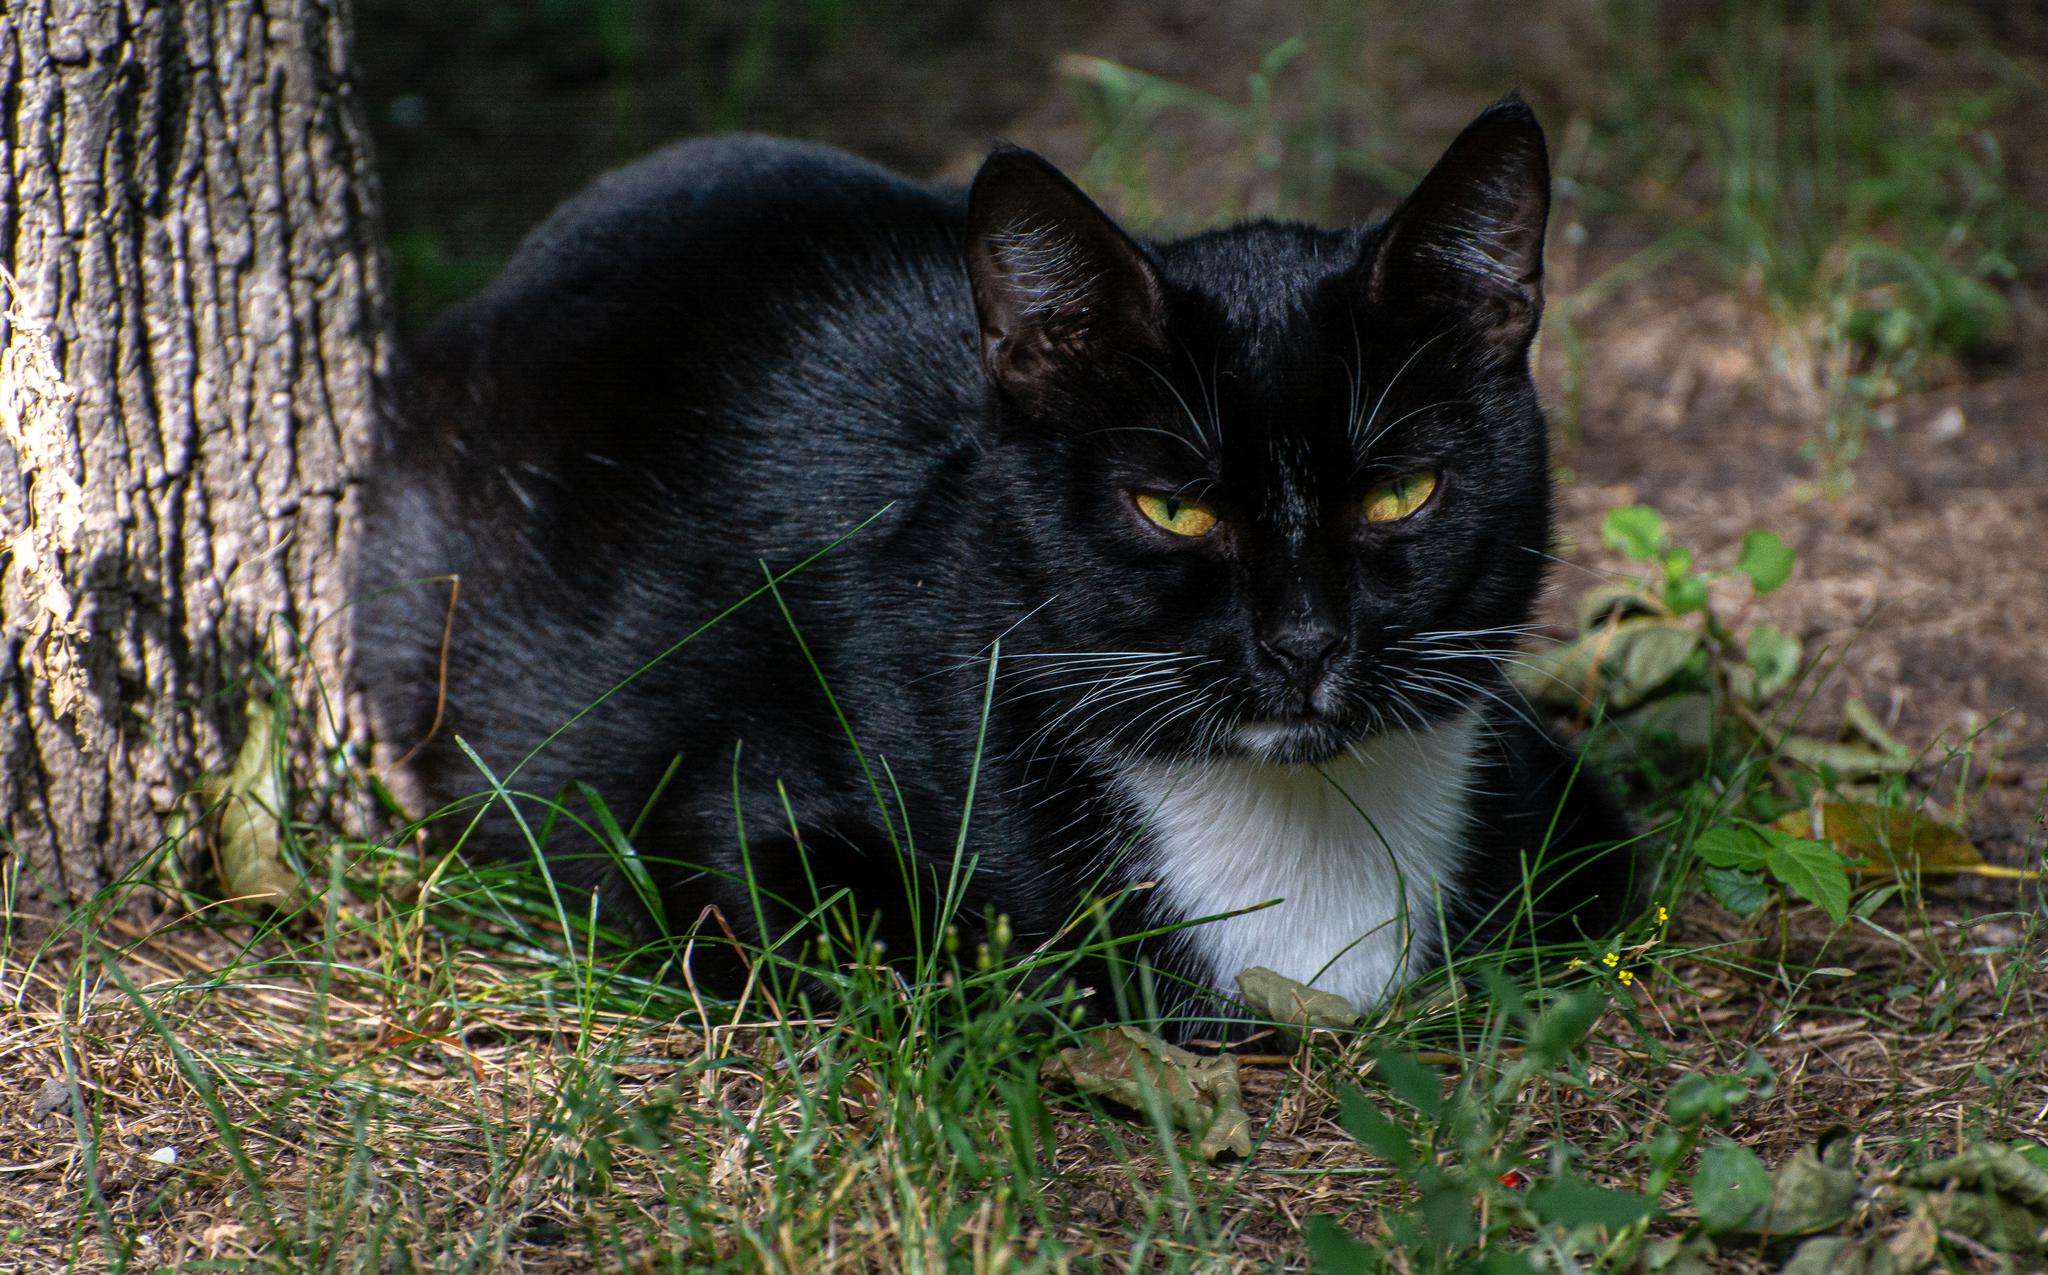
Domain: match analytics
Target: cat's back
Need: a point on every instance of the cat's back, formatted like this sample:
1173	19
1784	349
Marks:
707	255
730	352
710	318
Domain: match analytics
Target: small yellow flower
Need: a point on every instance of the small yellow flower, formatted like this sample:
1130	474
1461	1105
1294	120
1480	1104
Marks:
1663	914
1610	960
1626	978
1574	963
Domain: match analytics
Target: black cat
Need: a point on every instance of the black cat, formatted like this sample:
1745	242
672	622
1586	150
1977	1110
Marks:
1246	524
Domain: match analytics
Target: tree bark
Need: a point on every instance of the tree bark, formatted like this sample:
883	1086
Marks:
197	311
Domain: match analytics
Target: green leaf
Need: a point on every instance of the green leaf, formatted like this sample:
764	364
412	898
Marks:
1731	1185
1697	1097
1680	724
1843	759
1576	1202
1741	892
1363	1120
1814	1189
1732	846
1635	530
1336	1250
1766	560
1678	1255
1774	656
1633	658
1555	677
1685	594
1841	1255
1622	599
1563	1025
1418	1086
1813	871
1643	655
1450	1214
1504	1262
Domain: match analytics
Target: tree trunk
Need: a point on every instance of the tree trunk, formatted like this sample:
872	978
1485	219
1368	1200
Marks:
196	312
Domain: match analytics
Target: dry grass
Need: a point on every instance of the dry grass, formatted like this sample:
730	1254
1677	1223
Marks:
445	1112
396	1101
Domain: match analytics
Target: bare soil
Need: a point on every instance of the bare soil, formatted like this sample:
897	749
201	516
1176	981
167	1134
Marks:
1928	578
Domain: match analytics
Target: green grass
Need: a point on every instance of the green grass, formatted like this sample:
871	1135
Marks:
441	1065
1876	226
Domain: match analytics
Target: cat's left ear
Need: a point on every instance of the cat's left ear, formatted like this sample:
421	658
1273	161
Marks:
1467	243
1057	285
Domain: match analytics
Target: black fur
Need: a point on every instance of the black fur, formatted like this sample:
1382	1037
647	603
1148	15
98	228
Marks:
715	363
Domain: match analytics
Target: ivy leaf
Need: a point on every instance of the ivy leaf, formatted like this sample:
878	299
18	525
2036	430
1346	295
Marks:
1685	593
1697	1097
1742	893
1363	1120
1813	871
1410	1081
1643	655
1576	1202
1731	846
1774	657
1634	530
1336	1250
1766	560
1730	1187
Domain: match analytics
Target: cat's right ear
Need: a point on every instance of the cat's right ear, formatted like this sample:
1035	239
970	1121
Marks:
1467	243
1057	285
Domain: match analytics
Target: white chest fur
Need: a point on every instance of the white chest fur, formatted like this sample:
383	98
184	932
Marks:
1354	851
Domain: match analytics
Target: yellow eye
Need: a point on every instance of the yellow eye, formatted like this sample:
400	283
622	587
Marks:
1181	517
1391	502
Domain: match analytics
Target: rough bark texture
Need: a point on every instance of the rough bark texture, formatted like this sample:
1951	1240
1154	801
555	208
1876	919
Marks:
186	208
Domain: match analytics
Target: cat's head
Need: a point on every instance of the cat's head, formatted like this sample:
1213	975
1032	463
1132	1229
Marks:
1282	488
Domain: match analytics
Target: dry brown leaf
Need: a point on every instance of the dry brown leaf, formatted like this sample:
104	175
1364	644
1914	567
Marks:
1893	842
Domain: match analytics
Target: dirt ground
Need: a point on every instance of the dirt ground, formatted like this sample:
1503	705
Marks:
1928	576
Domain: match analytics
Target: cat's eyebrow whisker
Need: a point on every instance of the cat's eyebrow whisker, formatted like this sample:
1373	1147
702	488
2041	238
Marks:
1371	437
1187	411
1397	421
1356	386
1182	439
1213	395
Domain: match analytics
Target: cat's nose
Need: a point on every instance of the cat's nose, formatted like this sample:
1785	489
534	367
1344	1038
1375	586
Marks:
1304	645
